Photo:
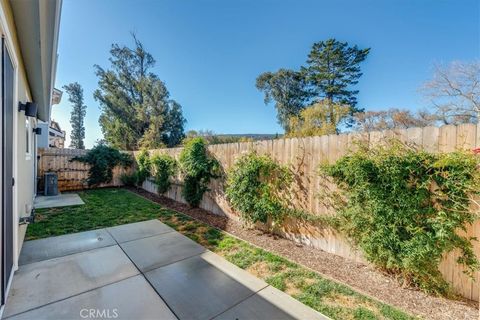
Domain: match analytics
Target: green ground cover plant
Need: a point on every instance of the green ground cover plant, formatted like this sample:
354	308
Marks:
110	207
404	209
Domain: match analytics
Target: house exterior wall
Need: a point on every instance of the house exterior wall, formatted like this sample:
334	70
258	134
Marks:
35	23
26	157
23	161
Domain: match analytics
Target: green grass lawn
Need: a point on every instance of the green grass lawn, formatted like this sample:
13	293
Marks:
110	207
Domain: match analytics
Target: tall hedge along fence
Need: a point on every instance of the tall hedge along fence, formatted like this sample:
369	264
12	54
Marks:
405	199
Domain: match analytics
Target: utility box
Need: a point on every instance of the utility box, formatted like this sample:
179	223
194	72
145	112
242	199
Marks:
51	184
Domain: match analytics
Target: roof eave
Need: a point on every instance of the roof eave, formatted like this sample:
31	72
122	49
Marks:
37	24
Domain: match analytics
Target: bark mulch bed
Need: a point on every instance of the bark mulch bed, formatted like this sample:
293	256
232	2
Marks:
360	277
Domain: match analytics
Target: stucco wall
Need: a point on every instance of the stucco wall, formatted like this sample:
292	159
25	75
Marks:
25	175
24	172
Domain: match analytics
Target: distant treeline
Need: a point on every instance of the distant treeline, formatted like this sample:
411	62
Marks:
214	138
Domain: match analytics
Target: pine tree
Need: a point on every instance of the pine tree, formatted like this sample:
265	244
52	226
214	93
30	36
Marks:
333	67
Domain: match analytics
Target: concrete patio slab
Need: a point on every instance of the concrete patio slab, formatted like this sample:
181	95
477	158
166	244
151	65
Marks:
134	231
40	283
132	298
180	279
54	247
270	303
62	200
153	252
234	272
195	288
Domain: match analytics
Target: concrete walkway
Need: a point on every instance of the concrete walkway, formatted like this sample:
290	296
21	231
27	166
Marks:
61	200
142	270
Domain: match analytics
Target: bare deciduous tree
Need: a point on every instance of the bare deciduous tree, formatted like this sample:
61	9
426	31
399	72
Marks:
454	91
392	119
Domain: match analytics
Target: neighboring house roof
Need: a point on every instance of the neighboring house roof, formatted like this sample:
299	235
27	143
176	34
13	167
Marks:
56	130
37	23
56	96
55	125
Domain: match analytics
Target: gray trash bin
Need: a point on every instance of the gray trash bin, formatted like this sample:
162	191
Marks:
51	184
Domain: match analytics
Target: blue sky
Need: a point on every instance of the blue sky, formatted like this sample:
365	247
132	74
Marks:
209	52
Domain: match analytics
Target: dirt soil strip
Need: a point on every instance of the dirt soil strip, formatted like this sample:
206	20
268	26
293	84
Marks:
362	278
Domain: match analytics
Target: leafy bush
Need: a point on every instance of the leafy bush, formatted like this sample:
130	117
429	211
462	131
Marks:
198	168
403	208
163	167
102	159
143	167
253	188
129	179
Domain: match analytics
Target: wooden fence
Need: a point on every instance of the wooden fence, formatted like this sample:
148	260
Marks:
72	175
304	155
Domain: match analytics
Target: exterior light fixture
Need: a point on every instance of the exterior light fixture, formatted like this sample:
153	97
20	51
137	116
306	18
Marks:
30	108
37	130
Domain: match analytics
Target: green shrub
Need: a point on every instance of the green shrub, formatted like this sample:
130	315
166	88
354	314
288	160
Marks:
253	188
198	168
163	168
129	179
403	208
102	159
143	167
